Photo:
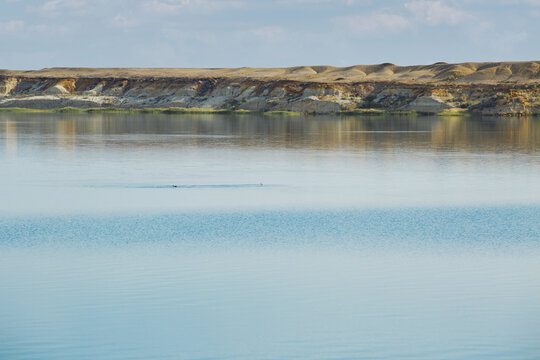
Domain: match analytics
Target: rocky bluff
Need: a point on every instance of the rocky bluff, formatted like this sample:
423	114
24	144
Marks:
485	88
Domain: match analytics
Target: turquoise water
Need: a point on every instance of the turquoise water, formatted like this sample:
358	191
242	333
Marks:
253	237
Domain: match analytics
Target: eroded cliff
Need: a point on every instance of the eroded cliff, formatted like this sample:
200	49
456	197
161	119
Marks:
486	88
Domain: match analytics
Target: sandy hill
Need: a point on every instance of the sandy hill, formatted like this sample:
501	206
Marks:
486	73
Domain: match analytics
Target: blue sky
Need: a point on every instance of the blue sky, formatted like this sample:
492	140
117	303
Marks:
264	33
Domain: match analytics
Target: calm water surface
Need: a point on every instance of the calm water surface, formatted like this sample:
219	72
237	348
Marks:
254	237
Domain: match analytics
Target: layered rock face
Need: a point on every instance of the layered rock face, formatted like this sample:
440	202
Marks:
428	89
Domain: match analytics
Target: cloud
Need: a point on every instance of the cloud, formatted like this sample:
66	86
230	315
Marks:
168	6
22	29
269	33
123	22
521	2
53	5
173	6
49	29
289	3
393	20
435	12
364	24
11	26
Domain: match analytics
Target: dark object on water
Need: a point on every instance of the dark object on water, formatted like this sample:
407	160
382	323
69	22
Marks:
175	186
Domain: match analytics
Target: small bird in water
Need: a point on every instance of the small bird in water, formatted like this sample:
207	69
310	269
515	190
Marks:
175	186
261	184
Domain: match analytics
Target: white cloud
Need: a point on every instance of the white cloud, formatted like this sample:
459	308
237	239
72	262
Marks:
435	12
19	27
372	23
53	5
319	2
50	29
122	21
11	26
269	33
521	2
172	6
386	20
168	6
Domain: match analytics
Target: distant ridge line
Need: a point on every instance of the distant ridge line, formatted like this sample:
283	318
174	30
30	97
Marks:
525	72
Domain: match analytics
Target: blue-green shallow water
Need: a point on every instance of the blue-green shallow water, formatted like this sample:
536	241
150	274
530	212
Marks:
452	229
284	238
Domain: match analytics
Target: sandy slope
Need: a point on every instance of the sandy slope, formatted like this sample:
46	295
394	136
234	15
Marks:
486	73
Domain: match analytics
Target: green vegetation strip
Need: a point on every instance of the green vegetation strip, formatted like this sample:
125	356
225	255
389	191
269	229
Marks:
370	112
282	113
15	110
454	112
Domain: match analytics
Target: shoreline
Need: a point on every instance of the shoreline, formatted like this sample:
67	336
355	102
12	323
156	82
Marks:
193	111
174	110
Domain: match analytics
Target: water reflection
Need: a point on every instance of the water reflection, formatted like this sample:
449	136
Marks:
386	237
66	133
321	132
10	134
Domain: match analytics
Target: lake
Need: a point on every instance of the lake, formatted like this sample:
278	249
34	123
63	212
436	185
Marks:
199	236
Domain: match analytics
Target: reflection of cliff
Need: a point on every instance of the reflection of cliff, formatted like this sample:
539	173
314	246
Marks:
10	136
450	132
324	132
66	133
487	134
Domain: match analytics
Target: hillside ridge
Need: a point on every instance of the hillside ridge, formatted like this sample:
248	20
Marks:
498	88
470	72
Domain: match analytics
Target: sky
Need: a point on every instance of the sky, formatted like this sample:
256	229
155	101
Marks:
36	34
